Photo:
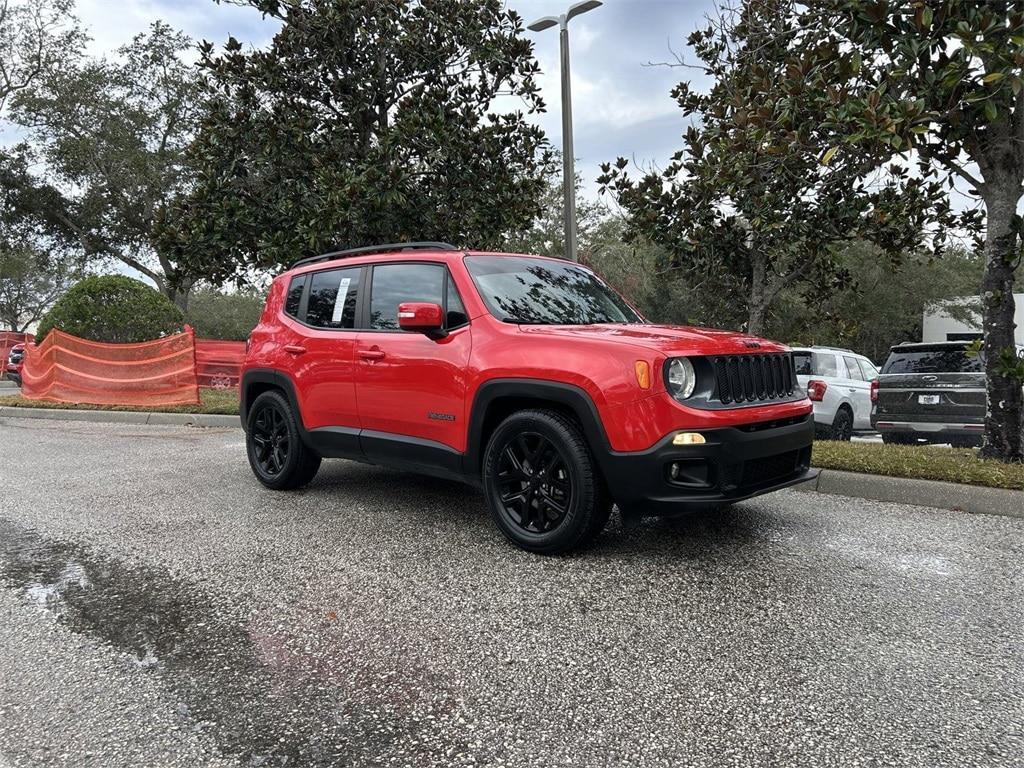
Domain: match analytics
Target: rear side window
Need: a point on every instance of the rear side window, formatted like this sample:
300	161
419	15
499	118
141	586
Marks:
869	371
394	284
294	297
804	364
333	297
936	360
853	370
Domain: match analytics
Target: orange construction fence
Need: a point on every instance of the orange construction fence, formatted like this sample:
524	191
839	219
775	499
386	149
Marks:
67	369
219	363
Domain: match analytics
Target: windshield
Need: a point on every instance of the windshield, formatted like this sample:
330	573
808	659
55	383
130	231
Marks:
545	292
935	360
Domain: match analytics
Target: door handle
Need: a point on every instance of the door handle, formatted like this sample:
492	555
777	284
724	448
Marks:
853	389
295	349
371	354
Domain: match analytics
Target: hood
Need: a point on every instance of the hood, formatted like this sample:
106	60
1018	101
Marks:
664	339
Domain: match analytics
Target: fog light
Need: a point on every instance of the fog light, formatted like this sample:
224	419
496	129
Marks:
688	438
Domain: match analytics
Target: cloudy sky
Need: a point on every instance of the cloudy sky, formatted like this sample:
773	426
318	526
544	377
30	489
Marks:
621	105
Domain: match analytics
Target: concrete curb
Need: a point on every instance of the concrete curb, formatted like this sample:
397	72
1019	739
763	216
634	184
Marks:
975	499
7	384
122	417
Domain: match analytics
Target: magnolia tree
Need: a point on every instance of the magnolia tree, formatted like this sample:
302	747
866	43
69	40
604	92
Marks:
362	122
942	82
758	199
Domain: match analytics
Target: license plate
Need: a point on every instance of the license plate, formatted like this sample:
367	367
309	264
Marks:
928	399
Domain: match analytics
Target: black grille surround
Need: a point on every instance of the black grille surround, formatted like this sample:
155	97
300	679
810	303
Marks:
752	379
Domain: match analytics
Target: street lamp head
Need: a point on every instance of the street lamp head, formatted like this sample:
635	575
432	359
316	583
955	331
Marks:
546	23
586	5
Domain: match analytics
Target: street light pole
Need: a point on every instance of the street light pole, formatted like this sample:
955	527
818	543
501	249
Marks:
568	158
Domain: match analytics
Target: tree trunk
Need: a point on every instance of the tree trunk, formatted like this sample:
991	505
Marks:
757	308
180	294
1004	406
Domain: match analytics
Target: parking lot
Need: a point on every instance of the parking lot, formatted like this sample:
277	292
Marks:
158	607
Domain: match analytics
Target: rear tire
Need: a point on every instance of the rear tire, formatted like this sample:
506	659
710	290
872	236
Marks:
842	425
277	455
543	487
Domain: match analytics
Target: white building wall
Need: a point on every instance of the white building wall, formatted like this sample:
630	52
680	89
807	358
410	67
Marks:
938	325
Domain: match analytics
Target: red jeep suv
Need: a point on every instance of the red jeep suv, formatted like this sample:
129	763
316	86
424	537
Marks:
526	376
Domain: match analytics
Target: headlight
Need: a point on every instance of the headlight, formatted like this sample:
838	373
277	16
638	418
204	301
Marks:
680	378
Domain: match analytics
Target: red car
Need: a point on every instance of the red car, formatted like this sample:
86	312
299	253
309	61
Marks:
526	376
13	364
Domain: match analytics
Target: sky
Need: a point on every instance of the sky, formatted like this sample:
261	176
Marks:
621	104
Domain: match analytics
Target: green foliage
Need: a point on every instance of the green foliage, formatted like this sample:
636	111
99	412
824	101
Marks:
361	122
113	308
881	304
113	134
216	315
759	198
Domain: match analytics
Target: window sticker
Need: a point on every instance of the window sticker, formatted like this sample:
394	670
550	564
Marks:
339	301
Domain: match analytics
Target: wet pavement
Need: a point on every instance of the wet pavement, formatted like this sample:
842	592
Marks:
158	607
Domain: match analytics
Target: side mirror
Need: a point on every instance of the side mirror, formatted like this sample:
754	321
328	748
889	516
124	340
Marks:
420	316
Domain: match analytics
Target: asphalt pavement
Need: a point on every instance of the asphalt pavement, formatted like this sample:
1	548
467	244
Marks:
159	608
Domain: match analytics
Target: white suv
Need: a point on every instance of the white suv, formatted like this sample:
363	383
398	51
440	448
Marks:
838	382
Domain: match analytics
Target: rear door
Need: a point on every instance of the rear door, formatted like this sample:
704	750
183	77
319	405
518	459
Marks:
412	387
323	350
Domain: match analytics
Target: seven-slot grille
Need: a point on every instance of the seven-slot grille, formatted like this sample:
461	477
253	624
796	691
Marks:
752	378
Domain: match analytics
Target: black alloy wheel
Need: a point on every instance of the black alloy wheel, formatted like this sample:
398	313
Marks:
842	427
269	434
277	455
543	487
535	483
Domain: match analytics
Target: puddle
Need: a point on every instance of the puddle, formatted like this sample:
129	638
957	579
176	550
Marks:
254	708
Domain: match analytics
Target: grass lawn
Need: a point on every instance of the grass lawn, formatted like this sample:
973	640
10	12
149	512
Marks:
953	465
223	401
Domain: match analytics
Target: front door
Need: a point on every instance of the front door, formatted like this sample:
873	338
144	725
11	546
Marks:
411	387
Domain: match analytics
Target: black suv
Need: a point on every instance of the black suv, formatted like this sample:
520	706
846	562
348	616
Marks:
933	393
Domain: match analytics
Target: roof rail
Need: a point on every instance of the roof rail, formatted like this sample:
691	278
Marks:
383	248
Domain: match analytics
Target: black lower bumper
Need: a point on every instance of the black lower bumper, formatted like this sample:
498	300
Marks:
734	463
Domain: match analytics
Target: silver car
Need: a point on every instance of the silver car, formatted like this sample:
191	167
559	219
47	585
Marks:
838	382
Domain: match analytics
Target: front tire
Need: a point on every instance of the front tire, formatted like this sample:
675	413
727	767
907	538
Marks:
277	455
542	485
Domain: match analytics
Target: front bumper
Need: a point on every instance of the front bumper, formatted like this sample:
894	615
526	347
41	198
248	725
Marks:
734	463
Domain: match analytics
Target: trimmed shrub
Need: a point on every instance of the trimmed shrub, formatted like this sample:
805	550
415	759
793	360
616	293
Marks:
115	309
